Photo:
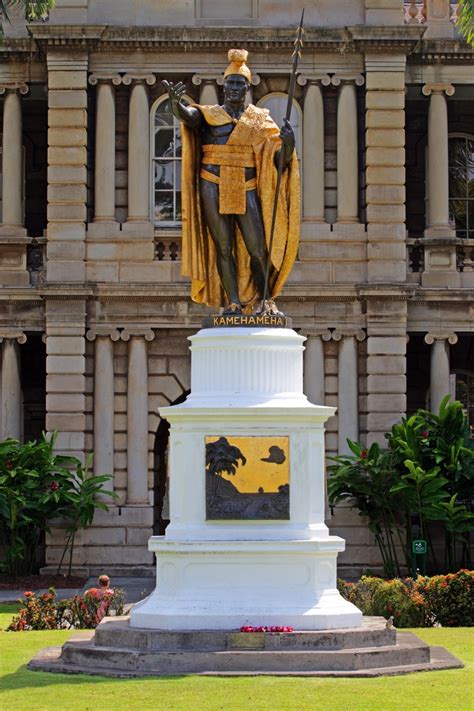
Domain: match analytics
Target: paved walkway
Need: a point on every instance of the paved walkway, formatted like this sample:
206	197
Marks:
135	589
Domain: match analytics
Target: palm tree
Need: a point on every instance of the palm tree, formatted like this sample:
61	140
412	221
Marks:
34	9
465	21
221	456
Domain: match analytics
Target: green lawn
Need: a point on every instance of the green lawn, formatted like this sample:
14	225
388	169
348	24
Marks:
22	690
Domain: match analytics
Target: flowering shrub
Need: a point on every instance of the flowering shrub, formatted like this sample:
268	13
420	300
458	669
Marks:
274	628
45	612
447	600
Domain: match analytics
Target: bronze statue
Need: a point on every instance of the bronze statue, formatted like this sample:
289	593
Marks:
229	170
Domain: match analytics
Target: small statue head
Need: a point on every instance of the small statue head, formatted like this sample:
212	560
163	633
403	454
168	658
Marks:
237	76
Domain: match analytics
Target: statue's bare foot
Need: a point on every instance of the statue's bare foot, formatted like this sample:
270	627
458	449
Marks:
234	309
267	307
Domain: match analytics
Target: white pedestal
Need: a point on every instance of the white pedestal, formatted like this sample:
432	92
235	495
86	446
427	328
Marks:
222	574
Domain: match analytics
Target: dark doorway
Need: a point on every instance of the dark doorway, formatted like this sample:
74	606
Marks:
160	468
33	383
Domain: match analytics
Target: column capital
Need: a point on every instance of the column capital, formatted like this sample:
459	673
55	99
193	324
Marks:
106	331
105	78
346	78
438	88
357	333
138	78
13	334
317	78
433	336
14	87
147	333
323	333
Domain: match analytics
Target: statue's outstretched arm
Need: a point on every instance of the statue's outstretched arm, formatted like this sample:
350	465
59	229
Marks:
189	115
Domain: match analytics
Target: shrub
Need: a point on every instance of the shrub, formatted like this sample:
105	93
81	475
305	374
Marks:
45	612
450	598
447	600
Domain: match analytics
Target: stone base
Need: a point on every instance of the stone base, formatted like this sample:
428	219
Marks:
222	585
117	650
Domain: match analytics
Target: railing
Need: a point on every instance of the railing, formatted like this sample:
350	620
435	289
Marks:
416	255
167	245
36	261
415	12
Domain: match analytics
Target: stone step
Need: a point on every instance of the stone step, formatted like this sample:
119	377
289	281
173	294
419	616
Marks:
118	633
85	655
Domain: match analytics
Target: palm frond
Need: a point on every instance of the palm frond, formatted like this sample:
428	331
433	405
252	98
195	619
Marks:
465	19
34	9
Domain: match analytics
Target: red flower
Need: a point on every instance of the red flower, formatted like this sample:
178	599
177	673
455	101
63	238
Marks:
424	433
363	454
54	486
9	464
28	594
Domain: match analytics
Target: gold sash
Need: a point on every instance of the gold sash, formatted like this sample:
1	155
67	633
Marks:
232	160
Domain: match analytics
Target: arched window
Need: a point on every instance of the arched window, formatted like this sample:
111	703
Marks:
166	164
461	184
276	103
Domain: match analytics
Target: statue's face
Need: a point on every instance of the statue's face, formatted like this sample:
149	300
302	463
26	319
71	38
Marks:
235	88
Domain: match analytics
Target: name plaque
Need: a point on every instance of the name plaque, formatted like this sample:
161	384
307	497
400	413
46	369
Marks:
244	320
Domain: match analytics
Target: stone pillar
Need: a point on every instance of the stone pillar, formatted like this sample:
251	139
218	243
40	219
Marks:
104	149
348	387
208	92
137	415
386	367
438	20
438	172
313	150
347	154
11	393
439	366
103	398
67	165
139	150
65	374
12	160
385	167
314	370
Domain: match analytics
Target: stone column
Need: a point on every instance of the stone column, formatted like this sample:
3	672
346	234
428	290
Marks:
314	370
207	92
347	154
67	165
103	397
385	167
313	150
348	387
438	172
137	415
386	367
139	149
11	393
439	366
12	160
105	148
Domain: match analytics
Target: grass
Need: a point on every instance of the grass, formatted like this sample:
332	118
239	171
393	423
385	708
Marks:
23	690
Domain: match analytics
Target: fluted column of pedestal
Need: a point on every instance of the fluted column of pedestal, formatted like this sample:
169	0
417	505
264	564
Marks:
137	415
347	154
313	153
103	427
12	160
439	366
139	149
314	370
438	171
104	150
348	387
11	394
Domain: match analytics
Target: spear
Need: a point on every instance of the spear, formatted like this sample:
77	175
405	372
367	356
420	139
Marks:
296	57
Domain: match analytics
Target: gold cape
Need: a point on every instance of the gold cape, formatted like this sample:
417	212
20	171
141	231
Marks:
257	129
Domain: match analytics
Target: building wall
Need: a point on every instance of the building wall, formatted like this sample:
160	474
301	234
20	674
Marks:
380	286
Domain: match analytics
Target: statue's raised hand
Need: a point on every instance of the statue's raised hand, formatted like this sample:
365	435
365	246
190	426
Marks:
175	92
288	137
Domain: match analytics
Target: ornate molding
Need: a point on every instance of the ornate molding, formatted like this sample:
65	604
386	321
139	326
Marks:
19	86
339	333
136	77
97	77
310	332
343	78
96	331
13	334
438	88
433	336
145	333
316	78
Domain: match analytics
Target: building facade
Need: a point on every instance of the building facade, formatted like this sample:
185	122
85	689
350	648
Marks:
95	314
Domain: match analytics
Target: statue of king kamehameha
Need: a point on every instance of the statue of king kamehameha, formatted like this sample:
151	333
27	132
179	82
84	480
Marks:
230	155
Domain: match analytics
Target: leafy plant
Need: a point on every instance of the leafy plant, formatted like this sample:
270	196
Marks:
82	503
33	9
465	19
